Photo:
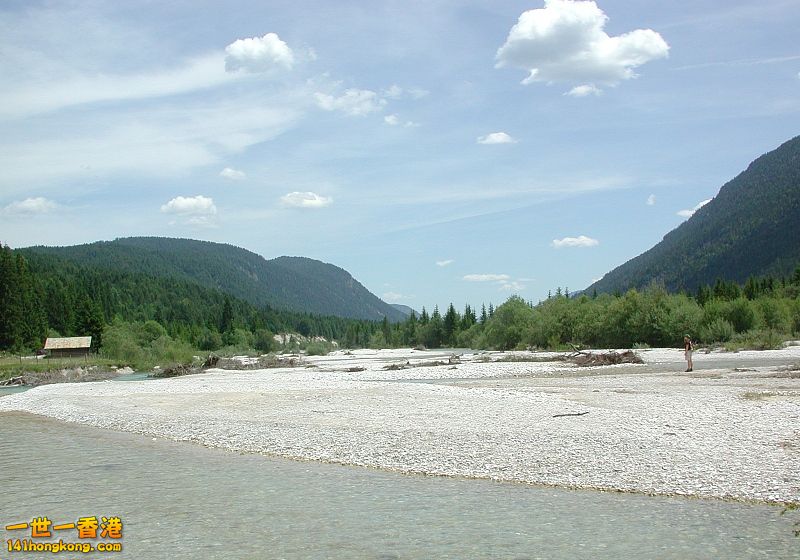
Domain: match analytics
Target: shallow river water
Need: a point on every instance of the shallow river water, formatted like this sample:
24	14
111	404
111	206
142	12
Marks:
180	500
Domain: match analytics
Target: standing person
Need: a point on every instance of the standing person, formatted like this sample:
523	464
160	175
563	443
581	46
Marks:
687	351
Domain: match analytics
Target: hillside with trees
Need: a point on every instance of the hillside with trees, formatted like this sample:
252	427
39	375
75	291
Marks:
286	283
749	229
52	296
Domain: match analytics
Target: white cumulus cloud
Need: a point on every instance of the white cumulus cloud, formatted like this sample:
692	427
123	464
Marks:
305	200
565	42
233	174
258	54
690	212
353	102
496	138
651	200
29	207
190	206
487	277
580	241
446	262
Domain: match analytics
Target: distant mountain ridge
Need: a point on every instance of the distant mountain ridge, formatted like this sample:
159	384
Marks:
404	309
291	283
751	228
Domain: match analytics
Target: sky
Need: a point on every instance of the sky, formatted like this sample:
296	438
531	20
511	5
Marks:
440	151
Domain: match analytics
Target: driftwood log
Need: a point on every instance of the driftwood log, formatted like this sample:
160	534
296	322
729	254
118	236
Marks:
610	358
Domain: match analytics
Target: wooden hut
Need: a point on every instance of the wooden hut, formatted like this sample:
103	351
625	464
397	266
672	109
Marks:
71	347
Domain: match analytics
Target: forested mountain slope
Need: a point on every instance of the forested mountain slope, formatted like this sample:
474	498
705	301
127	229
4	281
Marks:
290	283
751	228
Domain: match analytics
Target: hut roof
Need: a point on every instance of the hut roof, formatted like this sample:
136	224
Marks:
70	343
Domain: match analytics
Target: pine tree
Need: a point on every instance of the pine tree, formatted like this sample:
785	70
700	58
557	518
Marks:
10	311
89	321
386	329
450	323
424	318
226	321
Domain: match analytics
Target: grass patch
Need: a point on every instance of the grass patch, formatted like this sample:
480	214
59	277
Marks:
13	366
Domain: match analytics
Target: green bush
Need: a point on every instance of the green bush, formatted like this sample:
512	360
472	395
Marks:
773	314
765	339
320	348
263	341
739	313
719	330
505	329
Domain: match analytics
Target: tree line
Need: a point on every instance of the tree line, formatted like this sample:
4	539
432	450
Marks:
136	315
761	313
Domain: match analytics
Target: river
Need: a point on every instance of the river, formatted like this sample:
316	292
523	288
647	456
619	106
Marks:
181	500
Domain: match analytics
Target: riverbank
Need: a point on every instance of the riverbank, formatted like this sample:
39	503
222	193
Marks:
727	430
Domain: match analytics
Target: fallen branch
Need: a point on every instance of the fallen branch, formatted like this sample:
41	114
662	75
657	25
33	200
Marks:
570	414
611	358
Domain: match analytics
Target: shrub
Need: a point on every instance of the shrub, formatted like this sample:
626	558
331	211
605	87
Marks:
739	313
319	348
718	330
756	340
263	341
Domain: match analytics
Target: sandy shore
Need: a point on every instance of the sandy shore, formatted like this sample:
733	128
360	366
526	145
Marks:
731	429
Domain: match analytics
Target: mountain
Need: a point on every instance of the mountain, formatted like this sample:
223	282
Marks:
291	283
404	309
749	229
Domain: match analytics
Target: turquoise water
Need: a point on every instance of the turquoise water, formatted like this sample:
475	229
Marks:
180	500
135	376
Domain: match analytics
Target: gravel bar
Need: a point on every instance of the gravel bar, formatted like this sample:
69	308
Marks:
721	432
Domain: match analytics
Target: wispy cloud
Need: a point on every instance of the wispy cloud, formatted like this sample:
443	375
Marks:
444	263
740	62
396	92
512	286
584	91
651	200
353	102
305	200
394	120
486	277
144	142
233	174
191	75
504	282
690	212
395	297
580	241
496	138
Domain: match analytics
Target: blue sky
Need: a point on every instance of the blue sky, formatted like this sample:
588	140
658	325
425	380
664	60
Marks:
440	151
